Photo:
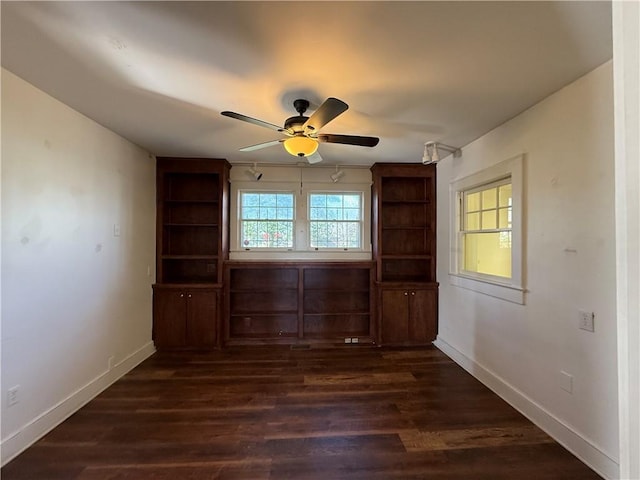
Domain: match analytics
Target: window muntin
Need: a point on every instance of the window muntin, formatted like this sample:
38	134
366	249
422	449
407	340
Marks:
335	220
266	219
486	229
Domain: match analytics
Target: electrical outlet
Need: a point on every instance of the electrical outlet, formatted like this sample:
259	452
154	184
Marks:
12	395
586	320
116	229
111	362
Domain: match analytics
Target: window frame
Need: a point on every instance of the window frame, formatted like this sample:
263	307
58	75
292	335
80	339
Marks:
241	221
301	250
360	222
510	289
463	230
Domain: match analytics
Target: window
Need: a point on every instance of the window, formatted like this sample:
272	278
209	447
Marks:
266	219
335	220
486	231
299	213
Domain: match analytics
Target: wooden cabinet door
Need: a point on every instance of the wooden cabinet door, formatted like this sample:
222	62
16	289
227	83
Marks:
202	314
394	317
422	315
169	317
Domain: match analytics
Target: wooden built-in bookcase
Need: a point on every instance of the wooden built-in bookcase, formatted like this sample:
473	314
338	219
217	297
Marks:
192	244
203	300
298	302
404	248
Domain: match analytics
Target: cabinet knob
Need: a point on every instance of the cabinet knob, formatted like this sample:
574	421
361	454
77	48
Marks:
181	295
412	293
406	293
189	295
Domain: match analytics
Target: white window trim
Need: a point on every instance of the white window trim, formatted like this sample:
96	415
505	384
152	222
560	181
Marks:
340	189
512	289
301	249
293	219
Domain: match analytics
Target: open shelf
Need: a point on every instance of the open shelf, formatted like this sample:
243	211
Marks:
299	301
404	248
192	199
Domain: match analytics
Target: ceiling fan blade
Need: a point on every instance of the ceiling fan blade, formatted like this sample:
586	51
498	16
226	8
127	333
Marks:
330	109
314	158
258	146
349	139
255	121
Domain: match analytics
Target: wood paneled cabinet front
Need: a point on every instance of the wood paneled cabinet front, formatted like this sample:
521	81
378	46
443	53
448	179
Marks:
408	314
185	317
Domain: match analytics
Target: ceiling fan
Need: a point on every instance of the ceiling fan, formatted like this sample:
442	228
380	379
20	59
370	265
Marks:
302	133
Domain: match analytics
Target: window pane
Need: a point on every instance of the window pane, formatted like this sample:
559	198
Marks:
334	200
284	213
249	213
284	200
318	201
352	201
489	199
473	202
489	220
268	199
504	215
351	213
250	199
318	214
488	253
334	214
473	221
505	195
267	213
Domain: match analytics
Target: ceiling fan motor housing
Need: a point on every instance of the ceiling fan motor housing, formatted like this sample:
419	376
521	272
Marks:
295	123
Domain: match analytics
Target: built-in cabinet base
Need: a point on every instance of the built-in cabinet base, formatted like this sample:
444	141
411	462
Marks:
408	313
185	316
298	303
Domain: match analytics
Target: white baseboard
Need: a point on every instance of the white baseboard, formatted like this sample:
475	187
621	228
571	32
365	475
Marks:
20	440
577	444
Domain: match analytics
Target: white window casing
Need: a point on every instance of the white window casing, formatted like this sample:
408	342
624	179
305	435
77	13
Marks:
301	190
510	289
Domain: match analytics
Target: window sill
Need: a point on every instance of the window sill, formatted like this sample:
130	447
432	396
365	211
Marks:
509	293
348	256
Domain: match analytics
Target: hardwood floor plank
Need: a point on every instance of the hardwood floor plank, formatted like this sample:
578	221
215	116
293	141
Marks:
254	413
416	441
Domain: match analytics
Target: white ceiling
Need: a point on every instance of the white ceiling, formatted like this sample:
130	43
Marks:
160	73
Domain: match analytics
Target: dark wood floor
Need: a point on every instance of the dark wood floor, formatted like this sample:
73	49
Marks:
277	413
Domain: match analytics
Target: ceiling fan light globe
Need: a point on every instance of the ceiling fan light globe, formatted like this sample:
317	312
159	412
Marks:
300	146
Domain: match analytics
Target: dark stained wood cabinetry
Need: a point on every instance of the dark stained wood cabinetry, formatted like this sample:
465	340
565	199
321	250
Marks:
404	248
185	317
295	302
262	302
406	314
192	244
337	301
203	300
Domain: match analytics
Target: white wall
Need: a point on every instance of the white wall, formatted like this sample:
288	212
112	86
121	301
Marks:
73	294
626	74
520	350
